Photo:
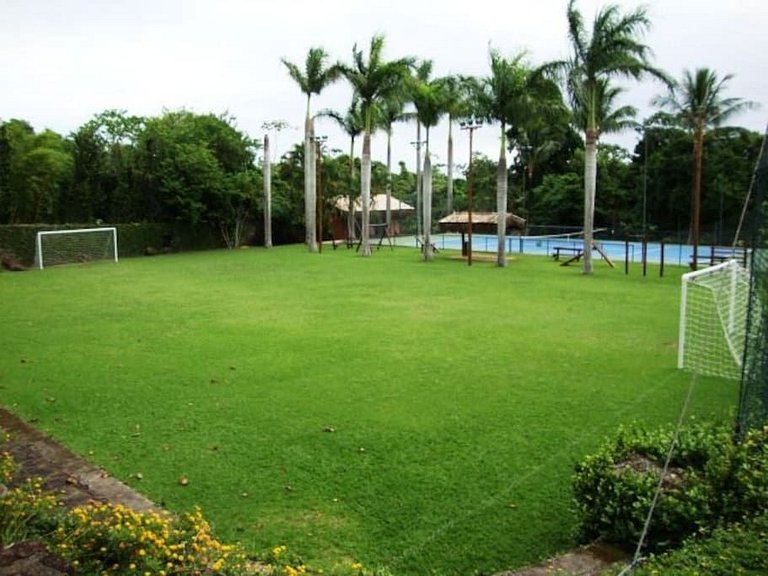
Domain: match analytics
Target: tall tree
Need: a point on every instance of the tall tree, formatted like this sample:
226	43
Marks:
105	167
196	169
352	123
420	74
613	48
267	176
315	77
392	110
428	97
699	103
373	79
540	134
36	171
503	97
457	101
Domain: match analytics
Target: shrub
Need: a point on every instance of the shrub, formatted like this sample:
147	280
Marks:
741	548
710	480
26	512
111	537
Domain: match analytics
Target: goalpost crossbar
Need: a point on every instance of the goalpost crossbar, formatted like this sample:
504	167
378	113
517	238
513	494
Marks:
111	230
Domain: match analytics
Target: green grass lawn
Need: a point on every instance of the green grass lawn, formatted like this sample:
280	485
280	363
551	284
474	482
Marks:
459	398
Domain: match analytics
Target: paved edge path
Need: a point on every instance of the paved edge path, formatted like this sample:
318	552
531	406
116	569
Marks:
74	480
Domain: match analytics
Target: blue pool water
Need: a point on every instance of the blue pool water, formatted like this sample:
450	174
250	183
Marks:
675	254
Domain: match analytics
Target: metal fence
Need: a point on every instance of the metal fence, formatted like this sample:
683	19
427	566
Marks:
753	404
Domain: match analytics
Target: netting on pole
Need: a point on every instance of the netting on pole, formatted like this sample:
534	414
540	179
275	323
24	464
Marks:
753	405
73	246
713	319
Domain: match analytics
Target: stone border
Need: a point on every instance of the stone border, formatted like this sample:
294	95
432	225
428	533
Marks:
74	480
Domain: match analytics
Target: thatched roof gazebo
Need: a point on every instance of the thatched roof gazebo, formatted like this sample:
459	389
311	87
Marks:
482	223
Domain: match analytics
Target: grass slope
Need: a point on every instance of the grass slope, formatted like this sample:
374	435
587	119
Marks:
460	397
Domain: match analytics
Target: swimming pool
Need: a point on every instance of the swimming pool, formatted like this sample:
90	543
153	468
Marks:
617	250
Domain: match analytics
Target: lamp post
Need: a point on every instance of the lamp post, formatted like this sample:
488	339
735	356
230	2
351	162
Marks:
319	142
470	124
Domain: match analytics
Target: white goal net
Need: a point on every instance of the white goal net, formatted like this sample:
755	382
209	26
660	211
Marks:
713	320
72	246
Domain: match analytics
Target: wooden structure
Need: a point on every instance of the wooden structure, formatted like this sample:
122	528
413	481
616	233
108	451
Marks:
577	252
378	210
482	223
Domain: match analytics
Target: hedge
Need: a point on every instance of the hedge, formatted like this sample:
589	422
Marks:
134	239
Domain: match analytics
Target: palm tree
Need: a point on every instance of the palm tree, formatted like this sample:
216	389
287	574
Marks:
267	195
541	134
428	97
421	73
503	97
373	79
456	91
699	103
391	111
316	76
352	123
613	49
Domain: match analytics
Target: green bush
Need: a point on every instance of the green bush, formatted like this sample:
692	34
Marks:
134	239
710	480
740	548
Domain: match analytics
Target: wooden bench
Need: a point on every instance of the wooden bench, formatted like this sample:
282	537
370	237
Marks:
576	253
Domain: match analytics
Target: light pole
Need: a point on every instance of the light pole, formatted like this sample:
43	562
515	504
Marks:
470	124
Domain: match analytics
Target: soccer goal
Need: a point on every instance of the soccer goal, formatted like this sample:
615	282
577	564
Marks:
713	318
71	246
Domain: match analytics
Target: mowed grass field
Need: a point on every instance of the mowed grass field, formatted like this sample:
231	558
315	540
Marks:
420	417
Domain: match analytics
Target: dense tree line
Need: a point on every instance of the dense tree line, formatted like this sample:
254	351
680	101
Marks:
200	169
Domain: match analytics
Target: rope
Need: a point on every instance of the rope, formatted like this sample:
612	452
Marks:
637	558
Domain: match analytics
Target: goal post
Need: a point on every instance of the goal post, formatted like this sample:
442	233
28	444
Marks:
72	246
713	317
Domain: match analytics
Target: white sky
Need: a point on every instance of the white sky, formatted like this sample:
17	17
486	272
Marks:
63	61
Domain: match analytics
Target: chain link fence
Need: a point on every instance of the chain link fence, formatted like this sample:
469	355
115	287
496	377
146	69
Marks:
753	405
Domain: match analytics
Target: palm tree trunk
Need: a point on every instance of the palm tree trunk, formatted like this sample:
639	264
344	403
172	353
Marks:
698	147
365	194
351	205
389	182
449	183
590	185
427	186
267	171
309	187
418	179
501	203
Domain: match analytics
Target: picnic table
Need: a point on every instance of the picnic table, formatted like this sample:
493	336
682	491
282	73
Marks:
575	252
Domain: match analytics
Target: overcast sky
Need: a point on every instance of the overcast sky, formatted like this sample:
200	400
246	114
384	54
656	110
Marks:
63	61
